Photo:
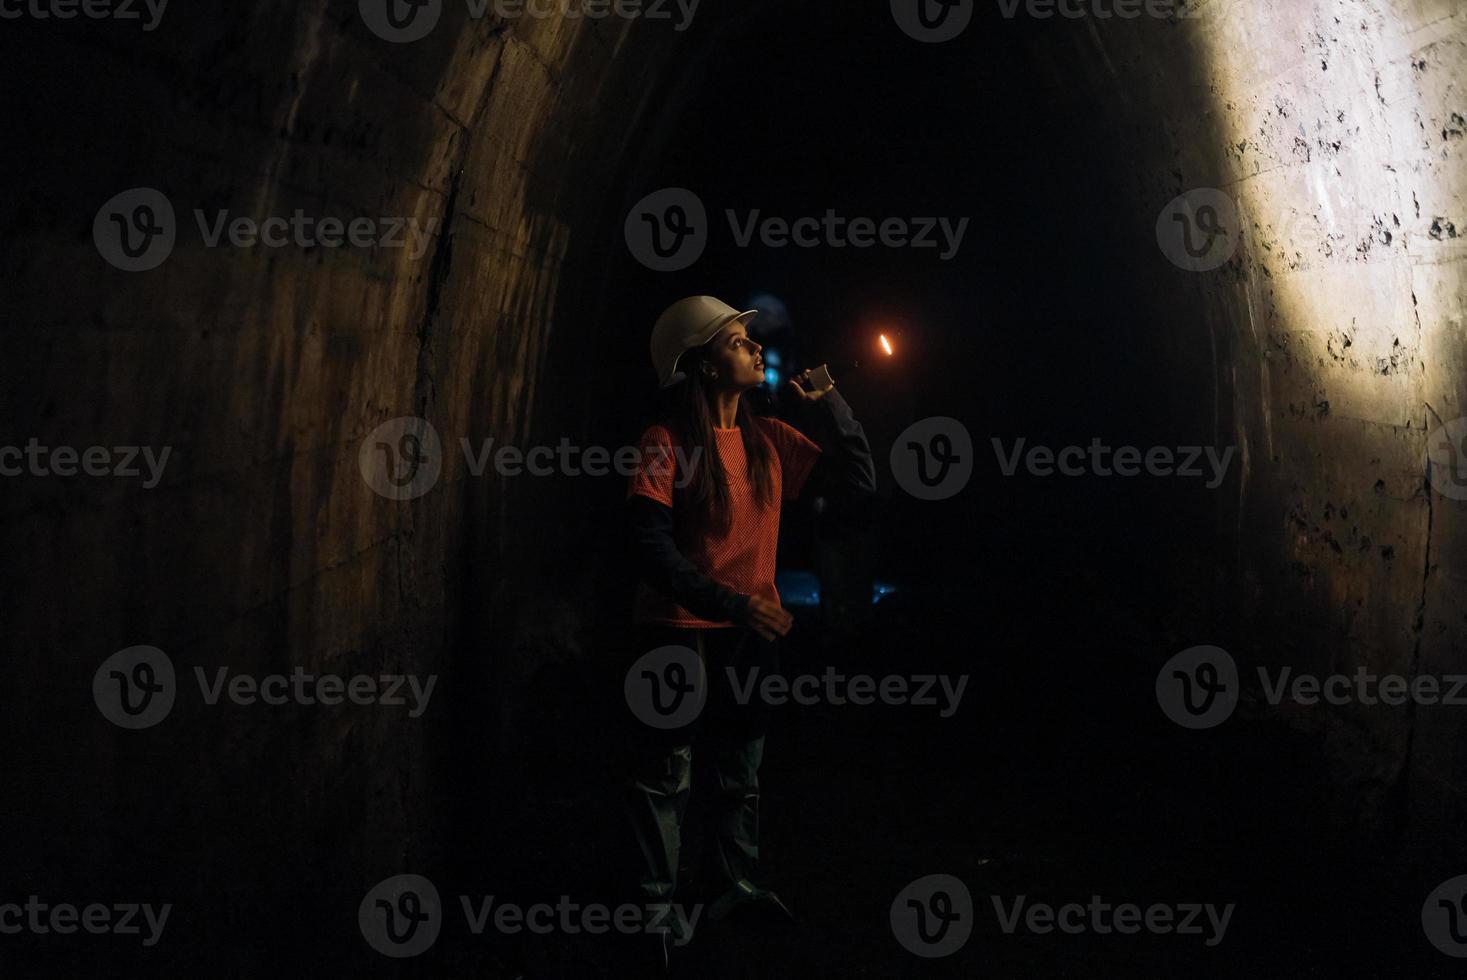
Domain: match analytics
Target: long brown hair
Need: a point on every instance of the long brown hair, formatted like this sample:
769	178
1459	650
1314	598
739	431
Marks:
709	485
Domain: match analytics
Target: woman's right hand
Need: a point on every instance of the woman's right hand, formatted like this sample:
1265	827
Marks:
768	619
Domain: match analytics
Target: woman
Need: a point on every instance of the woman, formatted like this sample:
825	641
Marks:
704	510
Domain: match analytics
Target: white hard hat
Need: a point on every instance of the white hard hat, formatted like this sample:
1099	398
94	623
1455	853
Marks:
686	324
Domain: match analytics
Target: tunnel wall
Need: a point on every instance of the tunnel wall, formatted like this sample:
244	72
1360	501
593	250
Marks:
264	369
1325	351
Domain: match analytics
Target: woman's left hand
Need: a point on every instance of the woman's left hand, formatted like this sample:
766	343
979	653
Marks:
800	391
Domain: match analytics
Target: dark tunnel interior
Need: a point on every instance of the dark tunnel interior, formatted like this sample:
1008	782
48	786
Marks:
1312	376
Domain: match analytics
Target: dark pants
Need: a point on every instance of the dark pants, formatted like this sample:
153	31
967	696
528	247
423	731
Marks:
733	736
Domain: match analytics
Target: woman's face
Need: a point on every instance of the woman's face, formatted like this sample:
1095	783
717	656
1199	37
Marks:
737	359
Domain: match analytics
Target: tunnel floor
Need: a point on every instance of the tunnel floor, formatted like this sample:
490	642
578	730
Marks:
1056	786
